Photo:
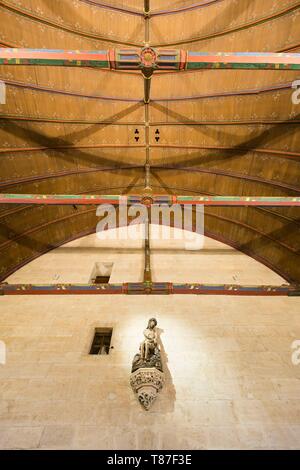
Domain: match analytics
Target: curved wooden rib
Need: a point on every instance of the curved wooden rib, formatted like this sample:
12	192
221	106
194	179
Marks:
195	6
106	6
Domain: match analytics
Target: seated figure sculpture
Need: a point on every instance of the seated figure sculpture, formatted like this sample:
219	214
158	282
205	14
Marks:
149	355
147	377
149	344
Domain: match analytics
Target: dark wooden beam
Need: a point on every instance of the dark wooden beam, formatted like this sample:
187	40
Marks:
147	89
147	269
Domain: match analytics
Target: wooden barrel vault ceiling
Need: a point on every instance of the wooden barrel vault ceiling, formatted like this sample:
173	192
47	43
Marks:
80	130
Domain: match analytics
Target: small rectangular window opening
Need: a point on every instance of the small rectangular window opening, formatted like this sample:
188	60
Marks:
101	273
101	280
101	341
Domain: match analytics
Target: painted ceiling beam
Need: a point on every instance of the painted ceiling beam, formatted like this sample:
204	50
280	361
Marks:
146	288
242	60
149	58
54	57
70	199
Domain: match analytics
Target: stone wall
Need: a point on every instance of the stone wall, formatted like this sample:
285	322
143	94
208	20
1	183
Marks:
230	379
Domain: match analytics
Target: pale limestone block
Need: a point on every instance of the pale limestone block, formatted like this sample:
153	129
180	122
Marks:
57	437
287	388
221	412
258	388
148	439
284	411
223	437
193	391
13	388
91	437
278	371
26	370
124	438
182	437
281	437
20	437
251	411
250	437
226	389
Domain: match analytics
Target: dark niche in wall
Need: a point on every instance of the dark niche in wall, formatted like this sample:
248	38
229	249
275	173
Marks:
101	341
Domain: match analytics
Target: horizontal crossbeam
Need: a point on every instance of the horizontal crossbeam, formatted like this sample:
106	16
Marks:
54	57
149	58
242	60
155	288
69	199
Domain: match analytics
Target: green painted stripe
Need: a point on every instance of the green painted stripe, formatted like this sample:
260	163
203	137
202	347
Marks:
57	62
236	65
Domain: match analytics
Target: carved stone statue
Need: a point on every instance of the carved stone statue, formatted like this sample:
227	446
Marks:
149	355
147	375
149	344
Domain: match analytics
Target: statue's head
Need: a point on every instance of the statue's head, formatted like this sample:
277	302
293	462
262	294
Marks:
152	323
